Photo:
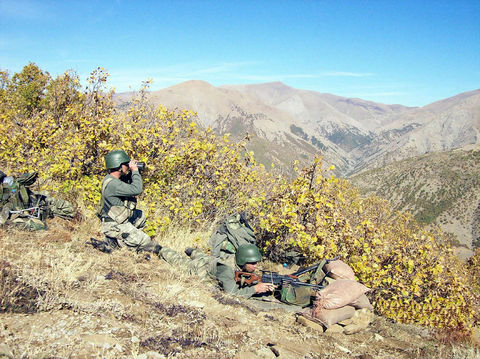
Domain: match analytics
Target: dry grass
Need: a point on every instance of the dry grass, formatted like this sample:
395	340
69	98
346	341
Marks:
62	298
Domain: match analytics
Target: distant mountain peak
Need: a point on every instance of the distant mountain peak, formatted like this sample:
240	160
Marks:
444	104
262	84
193	84
354	134
275	84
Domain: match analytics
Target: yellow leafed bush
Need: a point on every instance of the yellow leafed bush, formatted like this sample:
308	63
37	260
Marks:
194	177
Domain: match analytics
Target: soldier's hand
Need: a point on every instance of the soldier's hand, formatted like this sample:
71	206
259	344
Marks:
133	165
264	287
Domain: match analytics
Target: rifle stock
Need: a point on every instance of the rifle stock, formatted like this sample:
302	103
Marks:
246	277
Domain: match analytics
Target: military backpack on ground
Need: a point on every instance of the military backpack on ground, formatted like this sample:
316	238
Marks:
232	233
20	206
303	296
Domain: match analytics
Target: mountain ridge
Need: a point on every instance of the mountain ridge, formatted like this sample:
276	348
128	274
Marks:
440	189
350	133
285	124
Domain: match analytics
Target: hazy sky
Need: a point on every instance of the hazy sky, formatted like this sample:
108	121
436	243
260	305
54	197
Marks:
390	51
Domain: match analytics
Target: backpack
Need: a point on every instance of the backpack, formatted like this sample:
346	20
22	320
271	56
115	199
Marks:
232	233
29	210
300	295
15	192
20	205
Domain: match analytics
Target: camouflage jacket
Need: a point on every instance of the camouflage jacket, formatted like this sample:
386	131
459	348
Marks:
116	192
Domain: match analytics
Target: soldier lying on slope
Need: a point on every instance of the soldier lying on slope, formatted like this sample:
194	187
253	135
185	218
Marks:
247	257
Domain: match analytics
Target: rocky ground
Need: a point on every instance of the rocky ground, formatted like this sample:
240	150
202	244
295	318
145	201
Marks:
63	299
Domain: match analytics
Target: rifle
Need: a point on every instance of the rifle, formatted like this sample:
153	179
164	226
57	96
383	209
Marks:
279	279
275	278
312	268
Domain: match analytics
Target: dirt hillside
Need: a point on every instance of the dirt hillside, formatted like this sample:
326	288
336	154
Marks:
64	299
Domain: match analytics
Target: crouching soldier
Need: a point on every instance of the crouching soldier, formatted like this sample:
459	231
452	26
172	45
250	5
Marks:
122	223
247	257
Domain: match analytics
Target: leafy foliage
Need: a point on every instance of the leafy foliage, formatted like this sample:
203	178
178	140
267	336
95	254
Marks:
437	187
193	178
414	275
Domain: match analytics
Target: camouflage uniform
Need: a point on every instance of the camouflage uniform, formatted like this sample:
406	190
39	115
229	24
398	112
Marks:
198	264
226	278
206	266
26	209
128	232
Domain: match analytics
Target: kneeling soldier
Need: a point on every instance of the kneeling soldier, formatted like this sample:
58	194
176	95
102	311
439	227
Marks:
122	223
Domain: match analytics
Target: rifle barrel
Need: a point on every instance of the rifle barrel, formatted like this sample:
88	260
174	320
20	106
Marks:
306	270
279	279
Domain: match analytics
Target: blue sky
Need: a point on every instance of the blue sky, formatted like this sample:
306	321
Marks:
389	51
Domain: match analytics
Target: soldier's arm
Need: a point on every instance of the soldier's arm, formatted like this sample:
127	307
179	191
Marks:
129	189
226	278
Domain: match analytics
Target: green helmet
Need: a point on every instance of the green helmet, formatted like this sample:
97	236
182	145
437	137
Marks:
247	253
115	158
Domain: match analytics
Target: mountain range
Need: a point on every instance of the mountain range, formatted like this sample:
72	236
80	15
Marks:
422	159
286	124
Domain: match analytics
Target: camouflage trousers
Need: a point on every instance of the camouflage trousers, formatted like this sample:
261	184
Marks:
198	264
58	206
130	233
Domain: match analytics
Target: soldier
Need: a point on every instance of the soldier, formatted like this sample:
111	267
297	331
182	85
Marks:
292	297
122	223
247	257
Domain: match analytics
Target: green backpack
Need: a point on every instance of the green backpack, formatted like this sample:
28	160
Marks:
19	204
15	192
29	210
232	233
302	295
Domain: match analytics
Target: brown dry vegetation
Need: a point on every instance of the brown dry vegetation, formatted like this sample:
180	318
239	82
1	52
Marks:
63	299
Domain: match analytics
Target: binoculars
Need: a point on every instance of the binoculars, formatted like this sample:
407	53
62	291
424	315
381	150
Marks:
141	166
